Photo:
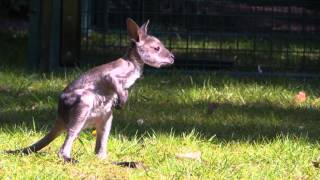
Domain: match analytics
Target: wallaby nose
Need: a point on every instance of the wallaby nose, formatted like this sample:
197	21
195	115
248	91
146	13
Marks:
172	56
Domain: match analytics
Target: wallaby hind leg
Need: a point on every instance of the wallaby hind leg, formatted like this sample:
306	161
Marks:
78	118
103	131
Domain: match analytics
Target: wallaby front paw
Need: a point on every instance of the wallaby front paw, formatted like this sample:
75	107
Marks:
122	99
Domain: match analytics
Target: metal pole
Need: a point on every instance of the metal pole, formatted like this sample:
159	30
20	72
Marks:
34	35
55	40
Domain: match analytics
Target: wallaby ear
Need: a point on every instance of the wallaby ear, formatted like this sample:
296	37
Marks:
132	29
144	28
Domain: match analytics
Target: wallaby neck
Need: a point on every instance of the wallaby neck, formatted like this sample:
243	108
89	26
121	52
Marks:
133	56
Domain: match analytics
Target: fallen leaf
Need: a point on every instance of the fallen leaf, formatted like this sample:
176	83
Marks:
191	155
33	107
300	97
140	122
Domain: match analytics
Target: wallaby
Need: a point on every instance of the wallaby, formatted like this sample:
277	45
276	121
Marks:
89	100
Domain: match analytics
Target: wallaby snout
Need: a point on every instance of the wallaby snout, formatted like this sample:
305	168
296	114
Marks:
170	60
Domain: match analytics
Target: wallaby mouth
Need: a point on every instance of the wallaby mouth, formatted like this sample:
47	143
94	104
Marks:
167	64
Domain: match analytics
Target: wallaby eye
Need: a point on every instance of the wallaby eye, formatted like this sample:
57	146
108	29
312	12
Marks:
156	48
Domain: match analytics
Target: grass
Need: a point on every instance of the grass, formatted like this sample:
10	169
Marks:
256	131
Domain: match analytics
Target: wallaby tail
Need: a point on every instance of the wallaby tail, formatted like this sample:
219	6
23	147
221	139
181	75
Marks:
47	139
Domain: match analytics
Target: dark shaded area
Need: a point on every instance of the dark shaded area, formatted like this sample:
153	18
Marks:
204	15
296	122
13	49
14	16
14	9
278	36
210	35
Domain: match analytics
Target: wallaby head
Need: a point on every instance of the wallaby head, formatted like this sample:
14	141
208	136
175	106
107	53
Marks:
150	49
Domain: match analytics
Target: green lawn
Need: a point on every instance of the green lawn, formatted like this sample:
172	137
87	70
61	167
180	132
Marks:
255	131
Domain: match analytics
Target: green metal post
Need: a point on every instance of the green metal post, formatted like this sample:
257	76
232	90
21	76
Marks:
34	35
70	33
55	40
86	6
45	35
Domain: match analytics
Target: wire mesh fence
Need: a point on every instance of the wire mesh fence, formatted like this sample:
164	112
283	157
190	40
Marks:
265	35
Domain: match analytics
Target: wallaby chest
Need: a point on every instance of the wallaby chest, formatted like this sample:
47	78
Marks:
130	78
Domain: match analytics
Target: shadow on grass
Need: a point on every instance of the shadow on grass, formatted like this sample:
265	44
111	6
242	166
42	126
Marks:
23	109
230	122
227	122
219	80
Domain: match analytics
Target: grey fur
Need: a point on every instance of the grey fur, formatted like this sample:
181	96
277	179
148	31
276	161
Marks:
88	101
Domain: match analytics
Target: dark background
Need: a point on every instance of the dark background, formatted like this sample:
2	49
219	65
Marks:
278	36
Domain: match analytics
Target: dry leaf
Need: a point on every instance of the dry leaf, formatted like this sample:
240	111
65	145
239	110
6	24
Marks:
33	107
191	155
140	122
300	97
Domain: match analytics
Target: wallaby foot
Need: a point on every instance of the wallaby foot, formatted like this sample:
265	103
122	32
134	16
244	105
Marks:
70	160
67	158
102	155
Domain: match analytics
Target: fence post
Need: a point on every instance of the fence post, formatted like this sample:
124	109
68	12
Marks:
70	33
55	37
34	35
54	34
86	16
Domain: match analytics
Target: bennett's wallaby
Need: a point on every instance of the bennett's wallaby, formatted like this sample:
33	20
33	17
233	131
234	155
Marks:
88	101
